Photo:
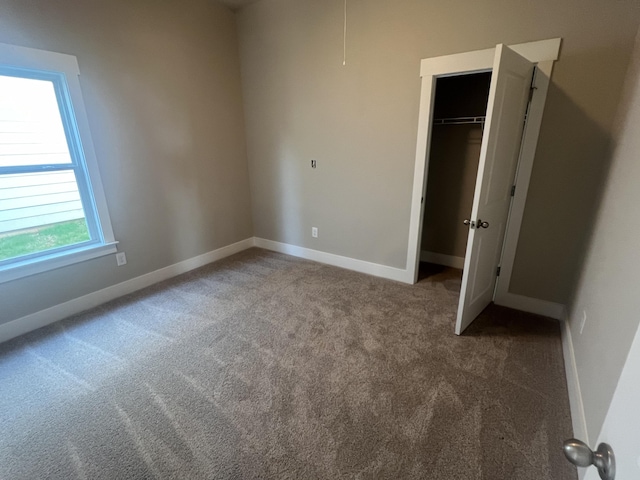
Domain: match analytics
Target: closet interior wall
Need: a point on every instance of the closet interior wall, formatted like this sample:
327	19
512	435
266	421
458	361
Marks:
460	105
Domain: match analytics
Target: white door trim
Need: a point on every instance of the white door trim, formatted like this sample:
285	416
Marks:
523	176
544	53
576	405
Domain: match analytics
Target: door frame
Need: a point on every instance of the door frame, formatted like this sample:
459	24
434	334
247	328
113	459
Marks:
543	53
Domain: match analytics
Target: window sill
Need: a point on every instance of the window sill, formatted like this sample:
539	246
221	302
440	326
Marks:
57	260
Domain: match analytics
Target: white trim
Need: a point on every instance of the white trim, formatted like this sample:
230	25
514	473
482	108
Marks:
59	63
559	312
361	266
442	259
421	171
532	305
15	270
478	60
37	59
466	62
540	51
53	314
578	418
543	52
91	161
523	176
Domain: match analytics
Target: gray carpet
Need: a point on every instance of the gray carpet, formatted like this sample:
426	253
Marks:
267	366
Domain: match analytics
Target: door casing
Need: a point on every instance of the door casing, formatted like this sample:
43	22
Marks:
542	53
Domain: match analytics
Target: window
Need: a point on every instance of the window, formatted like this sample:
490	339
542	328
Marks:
52	208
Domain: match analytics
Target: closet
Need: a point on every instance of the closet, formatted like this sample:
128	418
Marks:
455	113
459	111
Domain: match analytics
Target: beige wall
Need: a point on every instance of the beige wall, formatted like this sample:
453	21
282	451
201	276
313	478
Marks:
453	163
162	90
453	168
608	290
360	121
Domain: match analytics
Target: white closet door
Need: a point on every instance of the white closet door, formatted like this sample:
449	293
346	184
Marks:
508	98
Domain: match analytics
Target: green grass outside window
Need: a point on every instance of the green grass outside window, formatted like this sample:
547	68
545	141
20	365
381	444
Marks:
44	238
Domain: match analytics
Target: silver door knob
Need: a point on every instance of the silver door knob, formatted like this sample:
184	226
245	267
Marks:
581	455
483	224
469	223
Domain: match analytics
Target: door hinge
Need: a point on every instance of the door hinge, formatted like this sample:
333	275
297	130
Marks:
513	190
421	200
533	83
498	271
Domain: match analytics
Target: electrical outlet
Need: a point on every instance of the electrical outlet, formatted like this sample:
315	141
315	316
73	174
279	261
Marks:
584	321
314	232
121	259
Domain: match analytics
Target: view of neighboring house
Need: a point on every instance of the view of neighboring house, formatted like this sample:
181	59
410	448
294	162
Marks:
36	199
31	133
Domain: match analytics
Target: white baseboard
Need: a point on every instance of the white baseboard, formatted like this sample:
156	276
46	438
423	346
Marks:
442	259
361	266
578	418
531	305
559	312
53	314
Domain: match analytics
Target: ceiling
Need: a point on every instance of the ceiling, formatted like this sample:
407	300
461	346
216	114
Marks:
236	4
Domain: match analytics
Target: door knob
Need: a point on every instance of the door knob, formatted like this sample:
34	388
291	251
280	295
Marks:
581	455
469	223
483	224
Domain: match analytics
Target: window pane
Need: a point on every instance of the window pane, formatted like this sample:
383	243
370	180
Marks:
40	211
31	130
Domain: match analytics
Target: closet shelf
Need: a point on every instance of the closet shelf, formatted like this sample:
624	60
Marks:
458	120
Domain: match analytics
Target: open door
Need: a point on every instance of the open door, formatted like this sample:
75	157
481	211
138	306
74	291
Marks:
620	427
508	99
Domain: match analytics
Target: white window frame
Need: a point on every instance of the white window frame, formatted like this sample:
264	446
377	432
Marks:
64	72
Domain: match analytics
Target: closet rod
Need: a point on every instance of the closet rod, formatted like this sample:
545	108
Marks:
458	120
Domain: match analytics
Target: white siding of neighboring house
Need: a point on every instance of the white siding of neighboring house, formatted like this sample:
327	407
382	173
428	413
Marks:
31	133
36	199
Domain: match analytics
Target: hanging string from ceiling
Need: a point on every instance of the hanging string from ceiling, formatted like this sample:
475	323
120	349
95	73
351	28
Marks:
344	40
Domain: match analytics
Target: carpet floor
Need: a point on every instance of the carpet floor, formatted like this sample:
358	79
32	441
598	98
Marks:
267	366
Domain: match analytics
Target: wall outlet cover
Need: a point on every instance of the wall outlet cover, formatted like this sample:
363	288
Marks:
121	259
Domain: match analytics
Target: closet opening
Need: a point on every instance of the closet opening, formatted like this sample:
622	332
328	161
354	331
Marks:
459	111
517	79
